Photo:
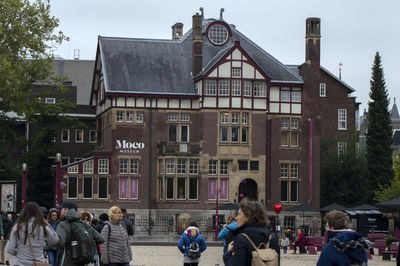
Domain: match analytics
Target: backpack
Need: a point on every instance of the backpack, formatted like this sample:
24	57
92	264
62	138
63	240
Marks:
263	255
194	248
82	233
229	238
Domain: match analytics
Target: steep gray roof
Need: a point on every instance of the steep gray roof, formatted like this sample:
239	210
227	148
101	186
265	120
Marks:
164	66
394	114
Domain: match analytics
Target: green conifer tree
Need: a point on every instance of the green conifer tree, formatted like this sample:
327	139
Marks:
379	132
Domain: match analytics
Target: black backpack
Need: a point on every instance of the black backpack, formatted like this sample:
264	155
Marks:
82	233
194	248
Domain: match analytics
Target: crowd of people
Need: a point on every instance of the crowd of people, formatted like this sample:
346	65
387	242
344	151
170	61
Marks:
71	237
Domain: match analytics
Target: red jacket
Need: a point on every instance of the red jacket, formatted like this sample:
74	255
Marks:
301	240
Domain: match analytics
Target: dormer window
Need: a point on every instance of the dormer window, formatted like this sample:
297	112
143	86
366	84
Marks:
218	34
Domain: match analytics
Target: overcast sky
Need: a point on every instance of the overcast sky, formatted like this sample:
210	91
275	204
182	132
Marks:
352	30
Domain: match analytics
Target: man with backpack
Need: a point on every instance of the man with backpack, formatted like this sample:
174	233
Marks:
128	224
191	244
77	239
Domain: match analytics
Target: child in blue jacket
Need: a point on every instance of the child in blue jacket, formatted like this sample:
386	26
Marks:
192	233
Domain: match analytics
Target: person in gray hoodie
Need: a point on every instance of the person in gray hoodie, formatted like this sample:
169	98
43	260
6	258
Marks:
29	235
116	249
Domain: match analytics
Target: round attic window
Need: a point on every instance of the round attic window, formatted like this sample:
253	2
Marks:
218	34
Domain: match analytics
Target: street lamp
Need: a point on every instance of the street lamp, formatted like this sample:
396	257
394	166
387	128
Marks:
58	181
23	185
217	190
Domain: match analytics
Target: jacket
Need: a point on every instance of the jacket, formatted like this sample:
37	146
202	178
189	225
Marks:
301	240
191	233
128	225
116	248
1	225
7	225
242	248
225	232
16	246
346	247
64	232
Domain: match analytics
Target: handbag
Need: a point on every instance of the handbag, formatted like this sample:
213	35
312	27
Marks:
36	263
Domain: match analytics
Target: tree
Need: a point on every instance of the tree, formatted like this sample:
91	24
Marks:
27	43
342	175
379	132
392	190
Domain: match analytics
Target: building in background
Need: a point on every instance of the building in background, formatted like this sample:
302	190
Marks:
207	116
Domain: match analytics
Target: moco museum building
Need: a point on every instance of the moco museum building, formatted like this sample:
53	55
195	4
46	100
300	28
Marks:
205	115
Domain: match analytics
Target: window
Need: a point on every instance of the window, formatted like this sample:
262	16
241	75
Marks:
290	132
73	169
134	194
212	187
243	165
72	187
185	117
103	188
245	118
285	96
223	167
253	165
260	89
184	133
181	166
79	135
120	116
289	222
170	188
322	90
289	181
139	117
134	166
224	134
210	87
224	118
161	166
223	184
212	167
236	88
194	167
65	135
341	148
342	119
181	189
235	118
50	100
161	188
129	117
172	128
247	85
103	166
87	187
173	117
123	188
236	72
88	167
223	87
244	134
193	188
296	96
235	134
92	136
218	34
123	166
170	166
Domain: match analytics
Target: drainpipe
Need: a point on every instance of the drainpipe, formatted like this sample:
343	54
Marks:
150	174
269	148
310	161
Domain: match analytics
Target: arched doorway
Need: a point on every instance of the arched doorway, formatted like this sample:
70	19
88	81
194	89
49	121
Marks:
248	188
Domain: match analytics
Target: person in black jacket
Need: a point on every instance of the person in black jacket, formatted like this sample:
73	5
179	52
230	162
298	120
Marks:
253	221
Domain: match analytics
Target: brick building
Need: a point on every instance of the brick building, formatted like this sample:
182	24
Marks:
207	115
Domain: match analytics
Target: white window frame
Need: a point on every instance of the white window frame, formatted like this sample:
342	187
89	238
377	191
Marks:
193	167
342	119
180	133
90	136
88	167
98	187
121	166
285	96
74	169
224	118
76	135
170	166
322	89
139	117
236	87
181	168
173	117
166	188
260	89
223	87
245	118
224	167
49	100
235	119
62	135
296	96
184	187
83	187
134	164
247	88
102	166
130	116
210	87
341	147
212	167
236	72
120	116
185	117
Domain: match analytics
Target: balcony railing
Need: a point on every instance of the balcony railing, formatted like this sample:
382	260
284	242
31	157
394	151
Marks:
174	148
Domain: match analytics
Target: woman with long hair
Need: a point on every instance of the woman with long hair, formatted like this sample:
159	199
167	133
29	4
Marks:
29	235
252	220
51	250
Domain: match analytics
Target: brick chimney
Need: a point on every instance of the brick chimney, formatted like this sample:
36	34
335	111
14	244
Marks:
197	44
313	40
177	31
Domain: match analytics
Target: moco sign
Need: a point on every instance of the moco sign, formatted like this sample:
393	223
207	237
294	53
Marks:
129	147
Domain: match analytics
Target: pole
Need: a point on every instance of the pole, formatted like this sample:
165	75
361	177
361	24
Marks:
58	181
23	185
216	215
